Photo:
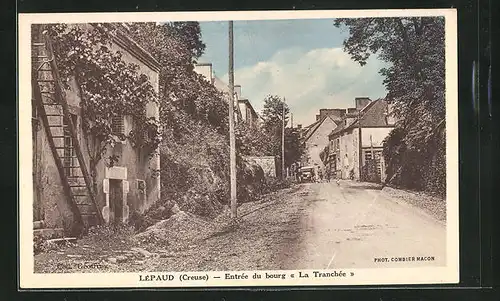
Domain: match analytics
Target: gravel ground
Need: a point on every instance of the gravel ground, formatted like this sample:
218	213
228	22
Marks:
185	242
434	206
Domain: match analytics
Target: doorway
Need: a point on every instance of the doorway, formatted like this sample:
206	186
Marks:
115	201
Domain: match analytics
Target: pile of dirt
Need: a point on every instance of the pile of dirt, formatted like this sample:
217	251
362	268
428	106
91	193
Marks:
434	206
179	231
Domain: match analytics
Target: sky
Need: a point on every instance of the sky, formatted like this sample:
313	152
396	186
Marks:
300	60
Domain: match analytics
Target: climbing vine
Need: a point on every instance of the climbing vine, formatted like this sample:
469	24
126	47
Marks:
109	87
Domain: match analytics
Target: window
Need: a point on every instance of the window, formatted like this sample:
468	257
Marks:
368	155
376	156
249	115
117	125
336	144
141	186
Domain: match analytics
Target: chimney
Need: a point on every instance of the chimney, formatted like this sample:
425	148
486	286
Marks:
205	70
361	102
323	113
317	117
336	113
237	90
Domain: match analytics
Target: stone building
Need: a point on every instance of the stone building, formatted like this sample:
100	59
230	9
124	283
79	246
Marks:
65	191
315	138
370	125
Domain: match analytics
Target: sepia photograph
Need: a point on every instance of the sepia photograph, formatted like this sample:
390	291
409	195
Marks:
238	148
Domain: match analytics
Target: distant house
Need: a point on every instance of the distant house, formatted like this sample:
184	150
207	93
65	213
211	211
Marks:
244	111
371	124
315	138
243	107
248	113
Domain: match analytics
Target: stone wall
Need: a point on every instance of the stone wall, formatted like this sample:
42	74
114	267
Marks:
348	155
267	163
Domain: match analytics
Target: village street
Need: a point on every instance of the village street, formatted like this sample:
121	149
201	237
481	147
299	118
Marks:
353	226
308	226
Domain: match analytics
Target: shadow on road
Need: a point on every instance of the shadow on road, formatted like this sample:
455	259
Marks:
366	187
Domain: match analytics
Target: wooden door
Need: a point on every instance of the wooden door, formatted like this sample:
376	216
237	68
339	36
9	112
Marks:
115	201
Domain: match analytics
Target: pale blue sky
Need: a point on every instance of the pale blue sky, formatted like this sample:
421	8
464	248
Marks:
301	60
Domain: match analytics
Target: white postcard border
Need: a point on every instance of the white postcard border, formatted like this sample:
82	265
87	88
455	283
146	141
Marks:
379	276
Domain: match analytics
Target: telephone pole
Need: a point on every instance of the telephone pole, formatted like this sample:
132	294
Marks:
232	140
283	141
360	147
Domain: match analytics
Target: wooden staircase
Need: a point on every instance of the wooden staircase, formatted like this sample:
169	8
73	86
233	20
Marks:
59	125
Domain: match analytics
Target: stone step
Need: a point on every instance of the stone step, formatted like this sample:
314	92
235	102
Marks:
62	240
49	233
89	220
86	209
38	225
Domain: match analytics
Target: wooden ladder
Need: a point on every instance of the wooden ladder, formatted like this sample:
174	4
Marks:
62	137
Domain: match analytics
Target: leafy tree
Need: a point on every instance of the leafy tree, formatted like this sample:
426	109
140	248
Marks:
272	116
251	141
108	86
177	46
294	149
414	49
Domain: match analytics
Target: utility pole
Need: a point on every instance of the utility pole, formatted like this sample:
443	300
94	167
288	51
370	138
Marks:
283	140
232	139
291	120
360	147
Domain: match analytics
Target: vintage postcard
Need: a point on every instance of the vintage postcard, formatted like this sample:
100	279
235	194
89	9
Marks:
224	149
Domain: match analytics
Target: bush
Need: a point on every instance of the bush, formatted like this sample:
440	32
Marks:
39	244
421	170
202	204
272	184
250	180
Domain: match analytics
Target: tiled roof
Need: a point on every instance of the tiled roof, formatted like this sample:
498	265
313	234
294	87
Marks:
316	125
373	115
247	102
224	88
219	84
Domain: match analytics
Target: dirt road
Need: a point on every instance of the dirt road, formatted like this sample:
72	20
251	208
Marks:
310	226
346	226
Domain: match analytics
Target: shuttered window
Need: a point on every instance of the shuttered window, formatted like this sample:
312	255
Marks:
117	125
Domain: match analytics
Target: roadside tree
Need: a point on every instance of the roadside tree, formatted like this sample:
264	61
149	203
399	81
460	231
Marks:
414	50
